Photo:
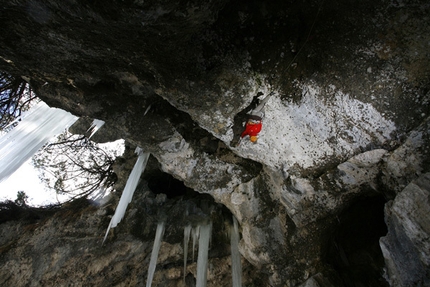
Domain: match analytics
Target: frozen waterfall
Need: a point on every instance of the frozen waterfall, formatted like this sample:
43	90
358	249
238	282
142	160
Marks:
36	129
154	255
129	189
202	257
236	265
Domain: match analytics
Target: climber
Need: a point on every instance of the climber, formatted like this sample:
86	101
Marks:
254	123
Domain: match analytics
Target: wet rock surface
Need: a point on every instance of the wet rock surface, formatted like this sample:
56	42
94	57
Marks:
348	122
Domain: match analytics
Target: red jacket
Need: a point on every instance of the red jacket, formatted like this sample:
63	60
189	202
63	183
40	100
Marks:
251	129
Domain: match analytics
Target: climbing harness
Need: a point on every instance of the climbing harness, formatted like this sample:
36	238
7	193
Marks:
254	123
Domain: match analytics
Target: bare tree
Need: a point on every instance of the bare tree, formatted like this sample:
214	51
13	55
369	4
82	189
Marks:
15	97
71	164
76	166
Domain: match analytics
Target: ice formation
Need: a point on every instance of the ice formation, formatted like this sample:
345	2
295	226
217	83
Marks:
129	189
36	129
95	126
202	258
187	232
154	255
236	265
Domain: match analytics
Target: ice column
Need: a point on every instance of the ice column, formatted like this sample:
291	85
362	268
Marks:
195	237
95	126
202	258
129	189
154	255
36	129
236	265
187	231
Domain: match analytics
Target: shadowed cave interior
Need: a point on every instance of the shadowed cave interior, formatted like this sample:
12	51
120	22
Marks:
354	250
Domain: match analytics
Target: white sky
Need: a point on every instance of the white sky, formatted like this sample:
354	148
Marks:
26	179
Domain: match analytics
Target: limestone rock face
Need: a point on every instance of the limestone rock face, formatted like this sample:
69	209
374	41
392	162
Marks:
64	247
406	247
345	131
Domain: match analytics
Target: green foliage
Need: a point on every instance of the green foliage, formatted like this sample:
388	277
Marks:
21	198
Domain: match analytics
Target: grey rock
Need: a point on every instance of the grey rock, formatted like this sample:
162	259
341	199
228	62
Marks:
406	247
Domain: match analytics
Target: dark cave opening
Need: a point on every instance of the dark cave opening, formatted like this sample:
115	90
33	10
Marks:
354	251
161	182
183	207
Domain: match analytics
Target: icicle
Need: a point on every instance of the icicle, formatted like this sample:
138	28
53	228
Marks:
36	129
236	265
100	196
154	255
147	109
187	231
202	259
195	237
95	126
129	189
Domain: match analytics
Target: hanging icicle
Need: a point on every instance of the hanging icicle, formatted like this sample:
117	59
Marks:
202	257
187	231
36	129
129	189
154	255
236	265
95	126
195	237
